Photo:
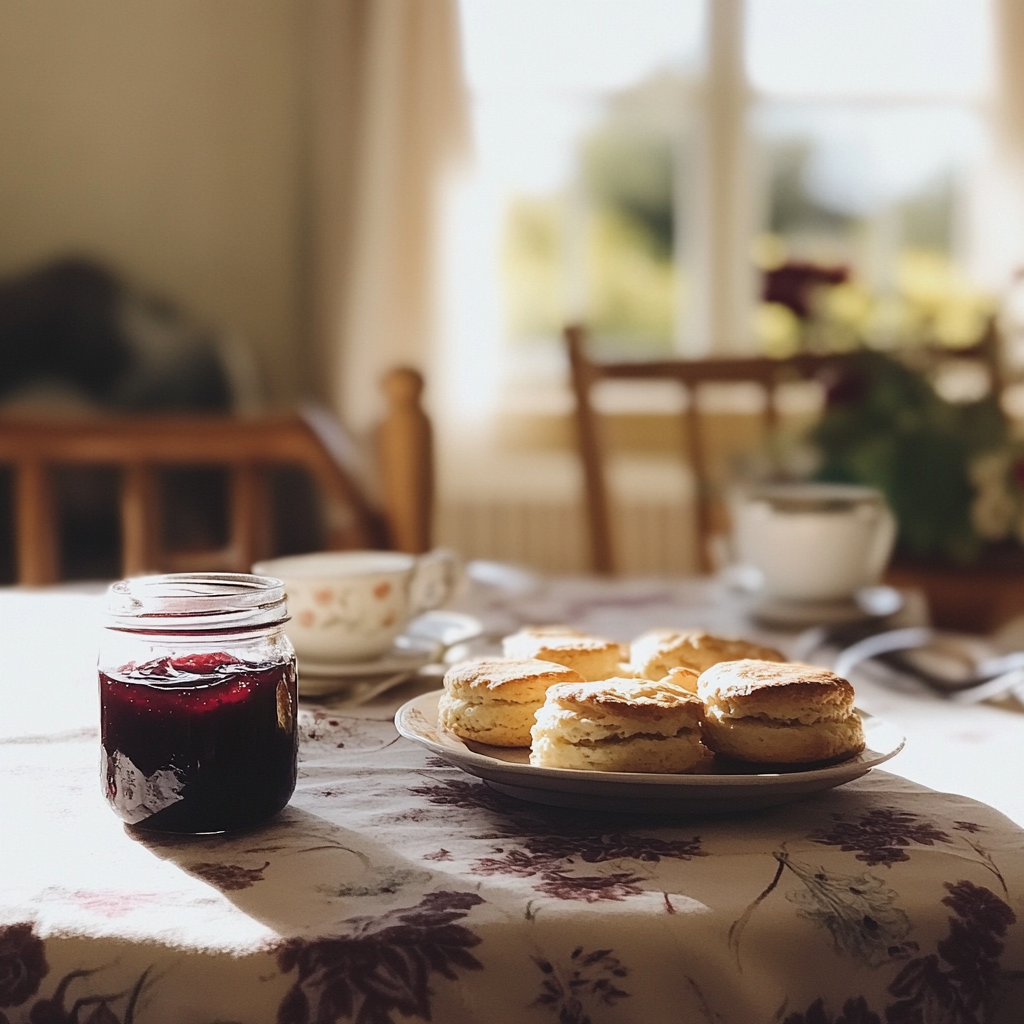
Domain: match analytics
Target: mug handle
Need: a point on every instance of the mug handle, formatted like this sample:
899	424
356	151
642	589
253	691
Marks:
881	545
433	580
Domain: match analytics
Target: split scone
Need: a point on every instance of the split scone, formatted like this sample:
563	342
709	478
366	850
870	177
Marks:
778	713
654	654
591	656
495	701
619	725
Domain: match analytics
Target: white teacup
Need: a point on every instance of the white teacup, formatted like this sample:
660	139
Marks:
348	606
813	542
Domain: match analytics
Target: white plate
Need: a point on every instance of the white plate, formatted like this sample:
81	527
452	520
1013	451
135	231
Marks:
723	789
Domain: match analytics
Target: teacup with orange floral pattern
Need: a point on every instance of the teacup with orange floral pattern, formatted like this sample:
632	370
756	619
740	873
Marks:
348	606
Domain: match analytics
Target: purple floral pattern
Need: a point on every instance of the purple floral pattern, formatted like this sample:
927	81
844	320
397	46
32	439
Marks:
968	826
107	1008
382	967
971	829
960	983
527	844
228	877
587	978
467	795
881	836
854	1011
590	888
22	964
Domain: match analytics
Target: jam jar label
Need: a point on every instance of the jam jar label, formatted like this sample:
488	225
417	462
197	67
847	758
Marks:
137	796
285	713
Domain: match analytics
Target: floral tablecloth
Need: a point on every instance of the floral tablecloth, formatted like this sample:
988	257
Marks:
395	887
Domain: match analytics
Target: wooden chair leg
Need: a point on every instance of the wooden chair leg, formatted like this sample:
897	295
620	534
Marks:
140	520
703	497
405	450
249	524
35	524
595	487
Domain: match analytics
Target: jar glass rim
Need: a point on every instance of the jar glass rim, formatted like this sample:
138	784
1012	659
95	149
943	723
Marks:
196	602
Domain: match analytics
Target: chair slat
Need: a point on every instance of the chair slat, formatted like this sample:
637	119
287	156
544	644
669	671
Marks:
141	445
35	523
692	374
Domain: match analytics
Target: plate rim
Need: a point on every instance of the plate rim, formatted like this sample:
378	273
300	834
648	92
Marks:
846	770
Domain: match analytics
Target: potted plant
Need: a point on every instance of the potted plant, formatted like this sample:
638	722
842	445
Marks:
951	473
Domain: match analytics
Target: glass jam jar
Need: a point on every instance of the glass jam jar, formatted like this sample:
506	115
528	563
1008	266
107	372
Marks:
198	702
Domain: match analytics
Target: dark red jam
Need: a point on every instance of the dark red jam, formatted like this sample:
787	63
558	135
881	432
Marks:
199	743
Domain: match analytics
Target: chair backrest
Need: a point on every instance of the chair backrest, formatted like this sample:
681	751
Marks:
691	374
139	446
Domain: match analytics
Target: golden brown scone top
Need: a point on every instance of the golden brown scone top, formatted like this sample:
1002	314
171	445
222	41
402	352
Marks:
779	690
655	653
550	630
634	699
532	643
505	679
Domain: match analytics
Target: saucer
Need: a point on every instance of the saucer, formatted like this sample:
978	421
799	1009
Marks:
425	640
407	653
866	603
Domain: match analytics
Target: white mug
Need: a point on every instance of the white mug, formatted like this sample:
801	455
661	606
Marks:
813	542
348	606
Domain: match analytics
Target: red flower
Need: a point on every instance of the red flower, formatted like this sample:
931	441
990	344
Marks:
792	284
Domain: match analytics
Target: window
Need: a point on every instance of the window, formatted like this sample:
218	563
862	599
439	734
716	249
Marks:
868	121
684	175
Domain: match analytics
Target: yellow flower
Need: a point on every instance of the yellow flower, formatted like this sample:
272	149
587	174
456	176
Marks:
777	329
848	303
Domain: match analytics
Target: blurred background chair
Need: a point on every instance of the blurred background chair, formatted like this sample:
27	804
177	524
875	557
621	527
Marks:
692	375
145	452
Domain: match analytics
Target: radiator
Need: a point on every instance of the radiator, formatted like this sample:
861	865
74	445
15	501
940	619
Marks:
544	527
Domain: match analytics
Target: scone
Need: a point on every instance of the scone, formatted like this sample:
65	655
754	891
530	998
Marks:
619	725
654	654
778	713
550	629
684	677
591	656
495	701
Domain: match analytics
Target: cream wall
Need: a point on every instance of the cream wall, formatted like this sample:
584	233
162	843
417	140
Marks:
166	137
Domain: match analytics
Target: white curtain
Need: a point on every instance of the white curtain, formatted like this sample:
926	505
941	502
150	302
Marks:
388	119
1008	33
996	214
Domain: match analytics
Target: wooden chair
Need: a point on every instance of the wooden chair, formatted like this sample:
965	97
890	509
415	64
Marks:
692	375
139	446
